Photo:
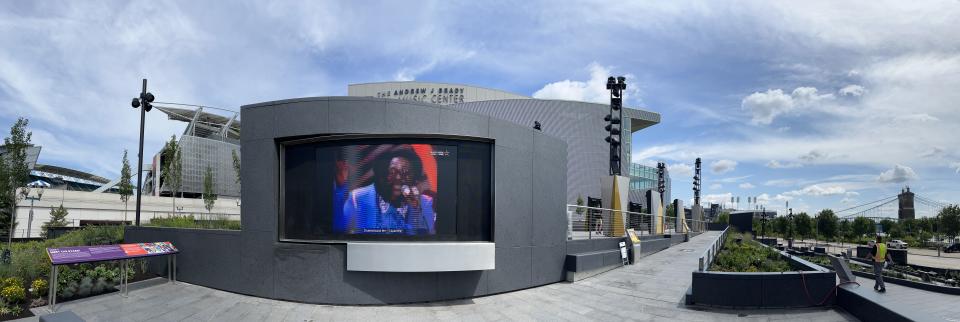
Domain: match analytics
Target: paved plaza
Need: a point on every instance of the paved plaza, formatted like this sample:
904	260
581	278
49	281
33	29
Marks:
653	289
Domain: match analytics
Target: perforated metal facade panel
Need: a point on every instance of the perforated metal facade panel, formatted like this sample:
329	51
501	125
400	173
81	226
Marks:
198	154
581	125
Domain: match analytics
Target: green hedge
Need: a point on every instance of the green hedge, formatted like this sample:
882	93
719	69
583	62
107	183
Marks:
189	221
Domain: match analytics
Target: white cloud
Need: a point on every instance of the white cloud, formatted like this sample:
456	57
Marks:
934	152
956	166
732	179
592	90
716	186
897	174
780	182
720	198
765	107
680	170
917	117
817	190
774	164
852	90
765	198
723	166
746	185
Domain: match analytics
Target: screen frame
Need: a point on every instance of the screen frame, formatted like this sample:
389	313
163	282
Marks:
283	143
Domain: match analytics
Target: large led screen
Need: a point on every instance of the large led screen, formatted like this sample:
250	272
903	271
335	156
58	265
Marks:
386	189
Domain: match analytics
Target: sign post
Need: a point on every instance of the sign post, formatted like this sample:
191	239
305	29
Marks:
123	253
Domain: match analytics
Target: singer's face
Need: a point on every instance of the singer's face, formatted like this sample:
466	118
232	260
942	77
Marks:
399	175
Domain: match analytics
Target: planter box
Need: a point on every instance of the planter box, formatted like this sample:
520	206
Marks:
811	287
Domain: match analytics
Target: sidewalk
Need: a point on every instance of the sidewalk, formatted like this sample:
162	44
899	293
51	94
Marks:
653	289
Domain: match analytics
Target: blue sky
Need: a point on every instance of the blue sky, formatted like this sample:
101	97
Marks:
825	104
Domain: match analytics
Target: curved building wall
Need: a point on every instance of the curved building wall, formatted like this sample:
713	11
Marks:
435	93
581	126
528	210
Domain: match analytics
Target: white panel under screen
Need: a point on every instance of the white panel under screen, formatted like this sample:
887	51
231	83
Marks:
420	257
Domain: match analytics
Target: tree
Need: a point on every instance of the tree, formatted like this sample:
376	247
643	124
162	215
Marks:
209	187
724	217
579	210
803	224
846	229
14	173
125	188
950	221
236	167
863	226
58	218
781	225
173	168
827	224
887	225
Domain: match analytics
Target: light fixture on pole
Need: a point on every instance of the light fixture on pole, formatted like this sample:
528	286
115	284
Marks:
615	121
39	187
142	102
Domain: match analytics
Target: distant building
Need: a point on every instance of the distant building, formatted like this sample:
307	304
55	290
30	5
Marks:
208	141
906	210
644	178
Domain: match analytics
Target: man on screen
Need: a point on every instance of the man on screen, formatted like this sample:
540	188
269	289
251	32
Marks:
392	204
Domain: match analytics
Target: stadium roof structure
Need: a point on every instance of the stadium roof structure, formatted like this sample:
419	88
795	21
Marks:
202	123
52	171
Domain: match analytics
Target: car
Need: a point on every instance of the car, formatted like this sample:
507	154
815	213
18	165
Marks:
896	243
955	248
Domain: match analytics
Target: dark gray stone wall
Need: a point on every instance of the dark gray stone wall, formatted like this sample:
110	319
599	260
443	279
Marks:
529	210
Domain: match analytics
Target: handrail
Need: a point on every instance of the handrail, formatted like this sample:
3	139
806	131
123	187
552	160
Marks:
599	222
710	254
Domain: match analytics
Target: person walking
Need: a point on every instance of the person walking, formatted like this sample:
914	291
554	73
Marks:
880	257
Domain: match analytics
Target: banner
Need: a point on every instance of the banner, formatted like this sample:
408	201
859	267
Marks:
86	254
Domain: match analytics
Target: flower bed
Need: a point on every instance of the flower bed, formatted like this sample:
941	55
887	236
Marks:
24	281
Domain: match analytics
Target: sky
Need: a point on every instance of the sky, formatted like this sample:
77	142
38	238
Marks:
824	104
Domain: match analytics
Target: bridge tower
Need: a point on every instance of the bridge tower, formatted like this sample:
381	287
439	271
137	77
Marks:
906	210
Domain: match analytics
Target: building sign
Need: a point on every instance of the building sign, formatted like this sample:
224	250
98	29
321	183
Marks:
435	95
86	254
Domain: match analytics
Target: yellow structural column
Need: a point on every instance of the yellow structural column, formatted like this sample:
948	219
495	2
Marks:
620	206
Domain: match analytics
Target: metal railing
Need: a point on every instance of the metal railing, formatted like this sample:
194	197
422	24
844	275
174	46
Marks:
711	253
585	222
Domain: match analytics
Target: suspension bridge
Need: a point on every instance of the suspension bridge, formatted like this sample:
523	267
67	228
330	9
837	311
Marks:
906	205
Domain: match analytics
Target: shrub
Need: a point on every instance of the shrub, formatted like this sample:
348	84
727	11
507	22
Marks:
11	281
13	293
189	221
38	287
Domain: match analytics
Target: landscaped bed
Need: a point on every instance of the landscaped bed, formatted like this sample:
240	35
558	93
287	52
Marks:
746	274
741	253
24	281
905	275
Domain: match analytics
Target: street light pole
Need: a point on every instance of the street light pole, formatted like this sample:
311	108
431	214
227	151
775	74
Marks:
144	100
